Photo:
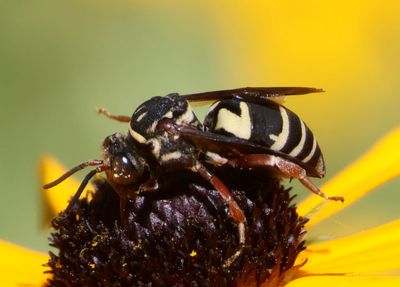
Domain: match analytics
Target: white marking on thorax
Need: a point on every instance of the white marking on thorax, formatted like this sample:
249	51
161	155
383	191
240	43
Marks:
310	155
171	155
139	118
297	149
153	126
139	109
187	117
281	139
138	137
167	115
240	126
155	146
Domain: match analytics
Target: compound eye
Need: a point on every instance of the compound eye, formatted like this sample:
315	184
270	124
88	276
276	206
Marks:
124	172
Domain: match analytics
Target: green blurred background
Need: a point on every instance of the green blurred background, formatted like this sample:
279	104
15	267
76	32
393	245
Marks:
61	59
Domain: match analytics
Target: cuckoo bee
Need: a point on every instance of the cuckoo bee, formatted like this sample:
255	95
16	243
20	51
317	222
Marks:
244	129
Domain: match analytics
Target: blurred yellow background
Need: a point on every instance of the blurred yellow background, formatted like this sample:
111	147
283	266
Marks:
61	59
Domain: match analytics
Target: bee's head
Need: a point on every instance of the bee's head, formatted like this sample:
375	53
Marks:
122	164
125	166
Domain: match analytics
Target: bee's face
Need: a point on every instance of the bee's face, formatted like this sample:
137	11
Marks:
125	165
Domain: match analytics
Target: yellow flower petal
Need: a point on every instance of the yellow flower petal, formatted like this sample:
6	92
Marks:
372	251
379	165
20	266
56	199
346	281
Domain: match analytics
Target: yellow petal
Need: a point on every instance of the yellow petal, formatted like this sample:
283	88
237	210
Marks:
372	251
379	165
346	281
20	266
56	199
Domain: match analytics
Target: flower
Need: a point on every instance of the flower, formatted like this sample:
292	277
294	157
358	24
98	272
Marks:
367	258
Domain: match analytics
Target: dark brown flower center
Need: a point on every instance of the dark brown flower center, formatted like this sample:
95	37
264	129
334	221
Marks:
179	235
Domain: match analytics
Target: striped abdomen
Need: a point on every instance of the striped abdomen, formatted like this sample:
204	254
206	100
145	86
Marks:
270	125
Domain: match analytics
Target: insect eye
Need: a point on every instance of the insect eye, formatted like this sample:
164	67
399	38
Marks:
124	171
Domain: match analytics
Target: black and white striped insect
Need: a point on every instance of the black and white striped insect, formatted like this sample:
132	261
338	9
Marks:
244	128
